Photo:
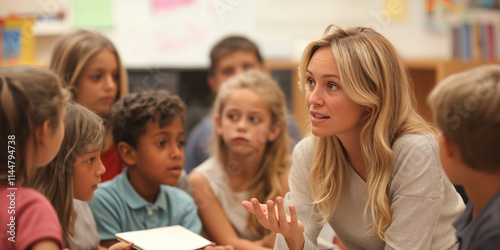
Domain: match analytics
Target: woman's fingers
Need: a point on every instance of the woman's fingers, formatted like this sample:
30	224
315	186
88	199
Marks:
248	206
294	223
271	215
281	212
259	213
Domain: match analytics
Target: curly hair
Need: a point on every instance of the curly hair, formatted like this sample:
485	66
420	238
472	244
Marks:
128	116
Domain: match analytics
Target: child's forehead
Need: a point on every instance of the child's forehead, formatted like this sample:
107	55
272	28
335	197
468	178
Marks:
238	54
170	125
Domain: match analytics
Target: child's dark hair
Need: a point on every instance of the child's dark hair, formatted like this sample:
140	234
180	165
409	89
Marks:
129	115
29	96
230	45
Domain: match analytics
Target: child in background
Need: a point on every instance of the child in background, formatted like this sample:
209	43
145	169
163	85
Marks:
32	110
73	176
230	56
466	109
91	69
149	136
252	159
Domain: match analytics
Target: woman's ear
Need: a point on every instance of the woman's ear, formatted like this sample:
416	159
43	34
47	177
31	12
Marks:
218	124
275	131
127	153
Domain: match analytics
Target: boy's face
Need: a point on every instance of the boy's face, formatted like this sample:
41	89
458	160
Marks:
160	153
233	64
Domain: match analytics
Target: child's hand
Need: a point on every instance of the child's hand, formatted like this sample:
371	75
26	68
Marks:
121	246
214	247
279	221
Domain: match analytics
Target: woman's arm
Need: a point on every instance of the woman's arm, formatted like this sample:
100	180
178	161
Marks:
215	221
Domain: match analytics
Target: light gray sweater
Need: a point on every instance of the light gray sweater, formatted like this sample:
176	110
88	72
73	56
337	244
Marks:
423	202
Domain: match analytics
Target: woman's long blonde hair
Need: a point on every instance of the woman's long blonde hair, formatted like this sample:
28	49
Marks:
373	75
84	132
74	50
266	184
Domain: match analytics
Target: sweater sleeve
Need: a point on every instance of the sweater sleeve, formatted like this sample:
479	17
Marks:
416	195
300	196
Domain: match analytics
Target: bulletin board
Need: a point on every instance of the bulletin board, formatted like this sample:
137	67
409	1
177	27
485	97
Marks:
173	33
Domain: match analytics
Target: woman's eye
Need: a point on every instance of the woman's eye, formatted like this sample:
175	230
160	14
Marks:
332	86
160	143
115	77
181	143
309	81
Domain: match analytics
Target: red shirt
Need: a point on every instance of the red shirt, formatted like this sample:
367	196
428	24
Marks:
26	217
112	163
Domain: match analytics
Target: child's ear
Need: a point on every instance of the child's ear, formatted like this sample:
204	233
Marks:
448	146
218	124
212	83
43	132
127	153
275	131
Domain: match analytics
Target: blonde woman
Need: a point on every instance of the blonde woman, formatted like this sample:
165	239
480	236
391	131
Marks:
371	168
91	69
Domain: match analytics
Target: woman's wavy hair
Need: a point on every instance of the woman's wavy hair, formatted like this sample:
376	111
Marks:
266	184
373	75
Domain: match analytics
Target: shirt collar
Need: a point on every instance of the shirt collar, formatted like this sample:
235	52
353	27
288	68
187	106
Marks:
133	199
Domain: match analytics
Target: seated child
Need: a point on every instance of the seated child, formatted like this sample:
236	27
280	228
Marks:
70	179
231	56
148	133
252	159
32	110
467	112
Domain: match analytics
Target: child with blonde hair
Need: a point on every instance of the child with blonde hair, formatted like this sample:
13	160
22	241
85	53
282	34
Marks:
91	69
71	178
251	160
32	110
467	112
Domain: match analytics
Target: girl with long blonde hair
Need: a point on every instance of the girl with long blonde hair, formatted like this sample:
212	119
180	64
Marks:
371	168
251	160
93	72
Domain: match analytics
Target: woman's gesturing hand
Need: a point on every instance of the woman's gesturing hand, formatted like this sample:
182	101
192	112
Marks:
276	220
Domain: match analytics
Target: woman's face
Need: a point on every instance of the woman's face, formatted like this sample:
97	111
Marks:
331	111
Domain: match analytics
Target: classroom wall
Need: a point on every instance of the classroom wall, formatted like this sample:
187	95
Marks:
282	28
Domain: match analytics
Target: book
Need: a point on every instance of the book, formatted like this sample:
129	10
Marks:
172	237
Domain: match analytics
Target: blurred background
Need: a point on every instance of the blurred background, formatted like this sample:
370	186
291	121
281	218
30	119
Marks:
165	44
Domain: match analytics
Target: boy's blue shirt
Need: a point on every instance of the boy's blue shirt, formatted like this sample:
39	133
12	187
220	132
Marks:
117	208
482	232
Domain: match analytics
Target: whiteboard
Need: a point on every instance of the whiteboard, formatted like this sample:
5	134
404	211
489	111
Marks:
176	33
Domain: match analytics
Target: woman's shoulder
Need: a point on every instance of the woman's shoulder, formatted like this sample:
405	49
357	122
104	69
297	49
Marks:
408	143
304	146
